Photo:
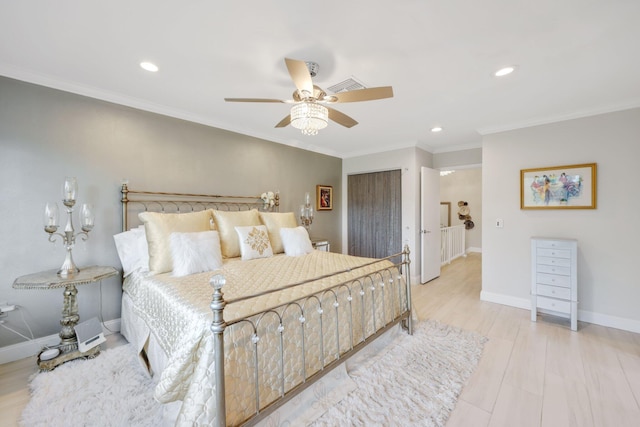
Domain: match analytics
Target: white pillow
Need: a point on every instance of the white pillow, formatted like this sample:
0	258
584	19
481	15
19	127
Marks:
195	252
254	242
133	250
296	241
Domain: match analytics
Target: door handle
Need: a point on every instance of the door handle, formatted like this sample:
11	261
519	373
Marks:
424	231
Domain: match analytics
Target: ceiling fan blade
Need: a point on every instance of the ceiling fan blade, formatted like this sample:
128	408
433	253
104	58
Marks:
253	100
300	75
368	94
284	122
341	118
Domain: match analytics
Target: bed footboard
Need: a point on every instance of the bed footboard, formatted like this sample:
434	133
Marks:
306	338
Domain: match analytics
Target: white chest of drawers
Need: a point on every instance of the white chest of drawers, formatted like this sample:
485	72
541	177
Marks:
554	278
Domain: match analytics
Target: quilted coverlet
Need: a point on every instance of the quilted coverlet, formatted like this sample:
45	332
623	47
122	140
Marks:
177	311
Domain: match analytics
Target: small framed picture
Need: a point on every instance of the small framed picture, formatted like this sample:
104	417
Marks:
324	197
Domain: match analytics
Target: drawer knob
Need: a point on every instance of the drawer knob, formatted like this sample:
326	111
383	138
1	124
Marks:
553	292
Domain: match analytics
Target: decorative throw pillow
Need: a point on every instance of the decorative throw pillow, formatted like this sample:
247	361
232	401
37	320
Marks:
274	221
159	226
132	250
226	222
296	241
254	242
195	252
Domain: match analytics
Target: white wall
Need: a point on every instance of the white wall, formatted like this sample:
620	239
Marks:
465	185
608	284
409	161
471	157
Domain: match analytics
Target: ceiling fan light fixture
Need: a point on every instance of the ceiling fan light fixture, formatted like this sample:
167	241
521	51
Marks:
309	117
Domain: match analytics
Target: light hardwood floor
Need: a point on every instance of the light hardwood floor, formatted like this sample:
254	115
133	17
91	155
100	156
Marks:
530	374
534	373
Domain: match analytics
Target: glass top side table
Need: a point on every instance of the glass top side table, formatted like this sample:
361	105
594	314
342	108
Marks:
51	280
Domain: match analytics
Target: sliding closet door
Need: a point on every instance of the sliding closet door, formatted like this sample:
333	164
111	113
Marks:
374	214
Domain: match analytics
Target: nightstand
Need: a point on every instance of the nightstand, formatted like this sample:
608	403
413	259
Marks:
50	280
320	244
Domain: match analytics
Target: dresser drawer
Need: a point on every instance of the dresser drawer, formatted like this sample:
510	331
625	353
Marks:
555	244
554	291
554	253
552	279
554	304
550	269
560	262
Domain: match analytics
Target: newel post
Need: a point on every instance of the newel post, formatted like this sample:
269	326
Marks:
217	328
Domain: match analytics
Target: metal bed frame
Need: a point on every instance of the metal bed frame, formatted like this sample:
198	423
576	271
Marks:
390	283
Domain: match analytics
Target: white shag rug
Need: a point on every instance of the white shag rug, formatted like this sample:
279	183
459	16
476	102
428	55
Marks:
414	381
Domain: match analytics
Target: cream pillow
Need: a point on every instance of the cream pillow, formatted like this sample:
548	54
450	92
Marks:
195	252
159	226
254	242
226	222
296	241
274	221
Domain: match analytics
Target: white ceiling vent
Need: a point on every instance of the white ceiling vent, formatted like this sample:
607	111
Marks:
350	84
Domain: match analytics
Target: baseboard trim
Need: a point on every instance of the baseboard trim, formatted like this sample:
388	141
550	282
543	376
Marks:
506	300
616	322
609	321
22	350
474	249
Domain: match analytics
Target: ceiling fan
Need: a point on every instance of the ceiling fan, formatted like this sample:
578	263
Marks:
310	112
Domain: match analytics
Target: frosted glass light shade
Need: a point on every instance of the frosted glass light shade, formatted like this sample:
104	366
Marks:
309	117
70	189
87	217
51	217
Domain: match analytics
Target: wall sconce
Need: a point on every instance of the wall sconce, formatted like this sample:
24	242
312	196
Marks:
306	212
51	224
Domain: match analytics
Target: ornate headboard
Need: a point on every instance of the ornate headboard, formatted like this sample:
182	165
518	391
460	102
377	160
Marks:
134	202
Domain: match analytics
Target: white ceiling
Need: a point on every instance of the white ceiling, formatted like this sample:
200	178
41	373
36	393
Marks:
573	57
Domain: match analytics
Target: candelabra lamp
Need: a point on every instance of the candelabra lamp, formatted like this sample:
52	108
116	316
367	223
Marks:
51	224
306	212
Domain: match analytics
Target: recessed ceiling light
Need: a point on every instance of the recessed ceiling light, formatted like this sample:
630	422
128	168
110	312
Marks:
504	71
149	66
436	129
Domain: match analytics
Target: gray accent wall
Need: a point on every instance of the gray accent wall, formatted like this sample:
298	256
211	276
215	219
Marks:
47	134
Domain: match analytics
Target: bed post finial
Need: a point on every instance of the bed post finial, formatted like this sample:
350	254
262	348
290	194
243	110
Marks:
218	326
407	263
124	190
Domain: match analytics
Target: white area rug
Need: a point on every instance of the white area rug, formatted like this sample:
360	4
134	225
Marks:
112	389
413	381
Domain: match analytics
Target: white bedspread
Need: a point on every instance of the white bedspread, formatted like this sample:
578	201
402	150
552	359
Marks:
177	311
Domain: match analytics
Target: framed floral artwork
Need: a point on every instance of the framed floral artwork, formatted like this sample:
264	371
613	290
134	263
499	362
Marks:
324	197
559	187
